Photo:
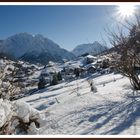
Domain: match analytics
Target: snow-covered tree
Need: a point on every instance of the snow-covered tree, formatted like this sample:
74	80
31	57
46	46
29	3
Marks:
10	80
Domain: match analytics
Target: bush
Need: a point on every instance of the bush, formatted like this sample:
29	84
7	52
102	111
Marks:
20	118
105	64
93	87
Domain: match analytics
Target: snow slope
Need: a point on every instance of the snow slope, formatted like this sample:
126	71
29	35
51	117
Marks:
72	109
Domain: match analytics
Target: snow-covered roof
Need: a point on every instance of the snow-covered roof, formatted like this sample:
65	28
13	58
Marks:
51	69
72	64
90	56
1	62
91	65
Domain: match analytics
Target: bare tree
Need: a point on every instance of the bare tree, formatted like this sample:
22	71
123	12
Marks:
127	48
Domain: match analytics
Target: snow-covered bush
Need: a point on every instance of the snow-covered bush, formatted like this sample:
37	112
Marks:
5	116
92	86
19	118
5	111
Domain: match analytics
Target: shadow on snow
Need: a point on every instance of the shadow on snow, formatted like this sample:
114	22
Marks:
119	115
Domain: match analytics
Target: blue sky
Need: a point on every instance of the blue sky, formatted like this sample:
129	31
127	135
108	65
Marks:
68	26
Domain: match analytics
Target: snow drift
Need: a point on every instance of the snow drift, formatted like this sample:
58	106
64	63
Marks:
20	118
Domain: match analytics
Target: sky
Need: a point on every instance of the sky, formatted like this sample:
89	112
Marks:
68	25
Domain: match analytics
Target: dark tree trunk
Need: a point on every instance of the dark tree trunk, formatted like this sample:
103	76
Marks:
135	81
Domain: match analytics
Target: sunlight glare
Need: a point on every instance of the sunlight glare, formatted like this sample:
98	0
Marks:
126	10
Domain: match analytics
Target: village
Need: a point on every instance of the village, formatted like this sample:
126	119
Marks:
83	67
29	78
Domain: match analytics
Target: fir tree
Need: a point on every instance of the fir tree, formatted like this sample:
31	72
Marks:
59	77
76	72
55	80
42	83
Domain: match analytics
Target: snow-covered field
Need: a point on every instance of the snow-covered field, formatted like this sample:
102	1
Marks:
73	109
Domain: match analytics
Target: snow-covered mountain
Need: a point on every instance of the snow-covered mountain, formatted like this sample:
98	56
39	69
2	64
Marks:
34	49
91	48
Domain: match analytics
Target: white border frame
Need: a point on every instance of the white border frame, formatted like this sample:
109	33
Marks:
67	4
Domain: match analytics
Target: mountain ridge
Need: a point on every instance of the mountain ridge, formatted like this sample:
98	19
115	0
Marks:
32	48
91	48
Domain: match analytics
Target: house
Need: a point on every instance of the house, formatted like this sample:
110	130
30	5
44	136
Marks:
83	72
90	59
91	69
1	62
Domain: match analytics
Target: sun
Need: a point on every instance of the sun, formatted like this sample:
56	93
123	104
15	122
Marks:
126	10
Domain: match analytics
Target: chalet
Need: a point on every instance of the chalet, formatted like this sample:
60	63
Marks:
90	59
91	69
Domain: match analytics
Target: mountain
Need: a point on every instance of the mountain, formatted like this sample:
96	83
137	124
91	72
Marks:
34	49
91	48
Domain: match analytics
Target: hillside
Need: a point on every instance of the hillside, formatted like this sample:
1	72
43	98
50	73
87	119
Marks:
99	101
33	49
72	109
